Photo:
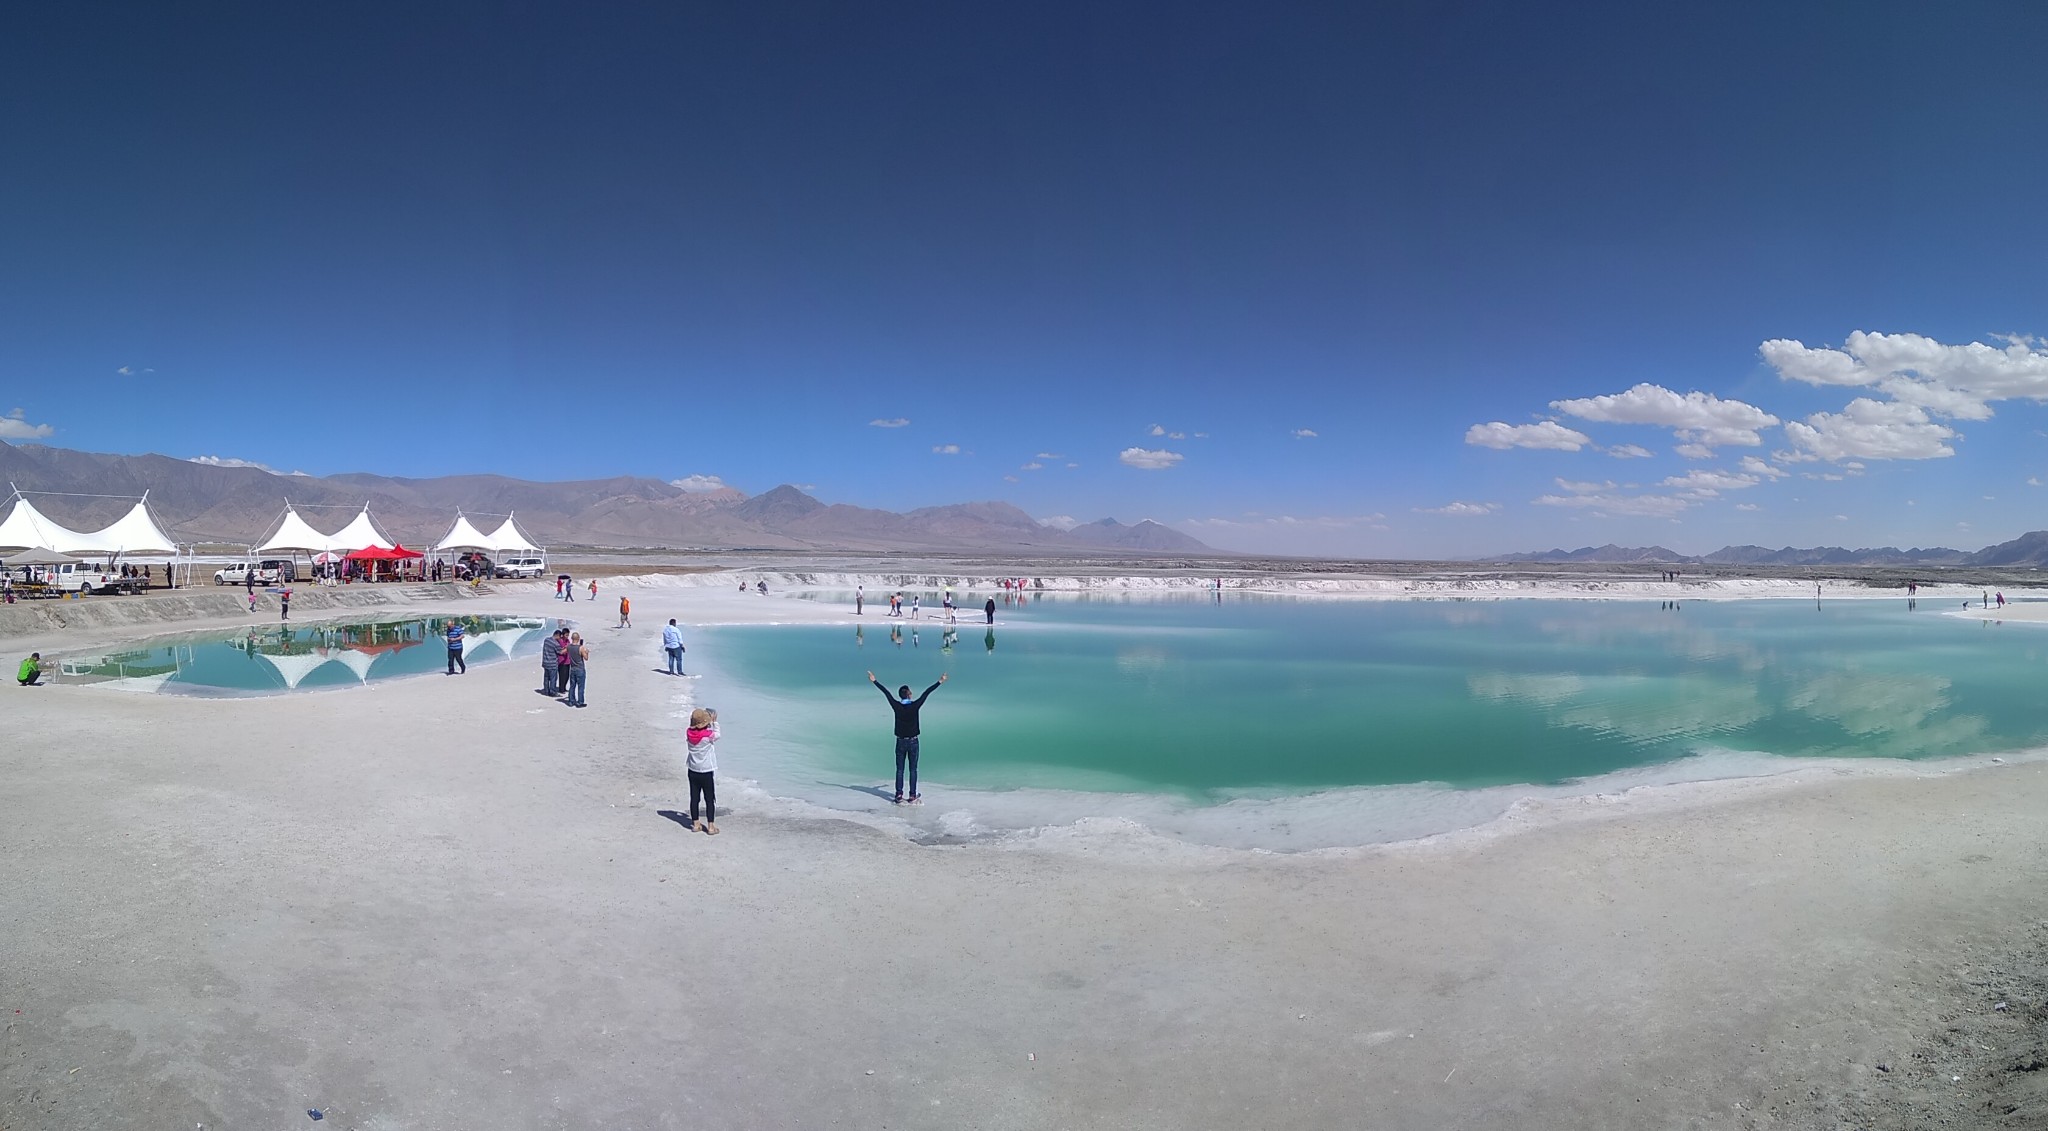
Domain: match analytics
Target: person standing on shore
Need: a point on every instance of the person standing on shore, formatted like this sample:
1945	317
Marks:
895	604
915	601
558	587
284	604
703	768
625	612
906	710
593	589
858	591
550	658
575	662
988	609
455	658
672	643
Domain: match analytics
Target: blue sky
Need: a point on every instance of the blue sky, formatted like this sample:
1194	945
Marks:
1143	247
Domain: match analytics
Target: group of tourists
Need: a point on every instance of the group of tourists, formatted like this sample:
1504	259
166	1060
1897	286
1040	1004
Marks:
564	667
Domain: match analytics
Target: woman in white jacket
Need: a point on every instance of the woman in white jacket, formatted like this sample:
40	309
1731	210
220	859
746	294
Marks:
703	764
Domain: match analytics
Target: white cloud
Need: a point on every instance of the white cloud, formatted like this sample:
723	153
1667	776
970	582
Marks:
945	449
1462	509
1148	460
2033	481
1952	381
1060	522
15	426
1547	435
230	461
1176	435
1634	506
1695	451
1747	507
1073	465
1702	480
1629	451
698	484
1757	467
1201	435
1034	465
1304	433
1155	430
126	371
1871	429
1050	455
1288	521
1699	418
1841	518
1011	479
891	422
1584	488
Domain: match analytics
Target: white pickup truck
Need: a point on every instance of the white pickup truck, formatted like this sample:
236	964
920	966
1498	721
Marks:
272	571
87	579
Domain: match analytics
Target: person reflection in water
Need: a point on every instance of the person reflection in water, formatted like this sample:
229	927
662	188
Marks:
989	641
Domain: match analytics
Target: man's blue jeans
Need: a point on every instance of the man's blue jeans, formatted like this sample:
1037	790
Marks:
675	661
906	748
575	687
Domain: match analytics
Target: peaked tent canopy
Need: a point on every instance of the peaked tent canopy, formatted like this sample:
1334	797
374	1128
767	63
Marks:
136	532
359	534
36	555
508	539
294	534
26	528
463	536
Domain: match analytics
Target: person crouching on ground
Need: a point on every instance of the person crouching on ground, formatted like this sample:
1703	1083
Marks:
31	669
703	765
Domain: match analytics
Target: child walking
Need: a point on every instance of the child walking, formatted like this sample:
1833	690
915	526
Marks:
703	737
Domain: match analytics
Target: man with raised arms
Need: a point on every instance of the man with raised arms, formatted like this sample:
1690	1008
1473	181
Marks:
906	710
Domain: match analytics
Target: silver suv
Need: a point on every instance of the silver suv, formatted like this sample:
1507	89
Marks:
271	571
522	565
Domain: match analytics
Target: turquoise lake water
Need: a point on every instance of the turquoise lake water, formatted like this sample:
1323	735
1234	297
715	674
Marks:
275	658
1210	703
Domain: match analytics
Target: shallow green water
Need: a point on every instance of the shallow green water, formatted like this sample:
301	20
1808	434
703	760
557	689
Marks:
1267	697
275	658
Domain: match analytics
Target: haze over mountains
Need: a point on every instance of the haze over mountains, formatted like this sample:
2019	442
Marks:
211	503
2029	549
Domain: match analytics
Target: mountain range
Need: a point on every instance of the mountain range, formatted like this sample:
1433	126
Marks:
2029	549
205	502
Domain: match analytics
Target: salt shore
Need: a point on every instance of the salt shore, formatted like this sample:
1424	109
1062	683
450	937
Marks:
452	903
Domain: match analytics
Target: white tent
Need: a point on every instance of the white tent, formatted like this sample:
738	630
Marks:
27	528
359	534
136	532
509	539
293	534
357	662
463	536
294	669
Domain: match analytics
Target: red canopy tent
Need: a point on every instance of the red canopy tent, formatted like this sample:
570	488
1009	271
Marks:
375	554
380	554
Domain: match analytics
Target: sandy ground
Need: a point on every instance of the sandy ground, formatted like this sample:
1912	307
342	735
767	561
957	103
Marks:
452	903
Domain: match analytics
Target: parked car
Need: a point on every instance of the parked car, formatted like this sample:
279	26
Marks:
523	565
270	571
473	564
